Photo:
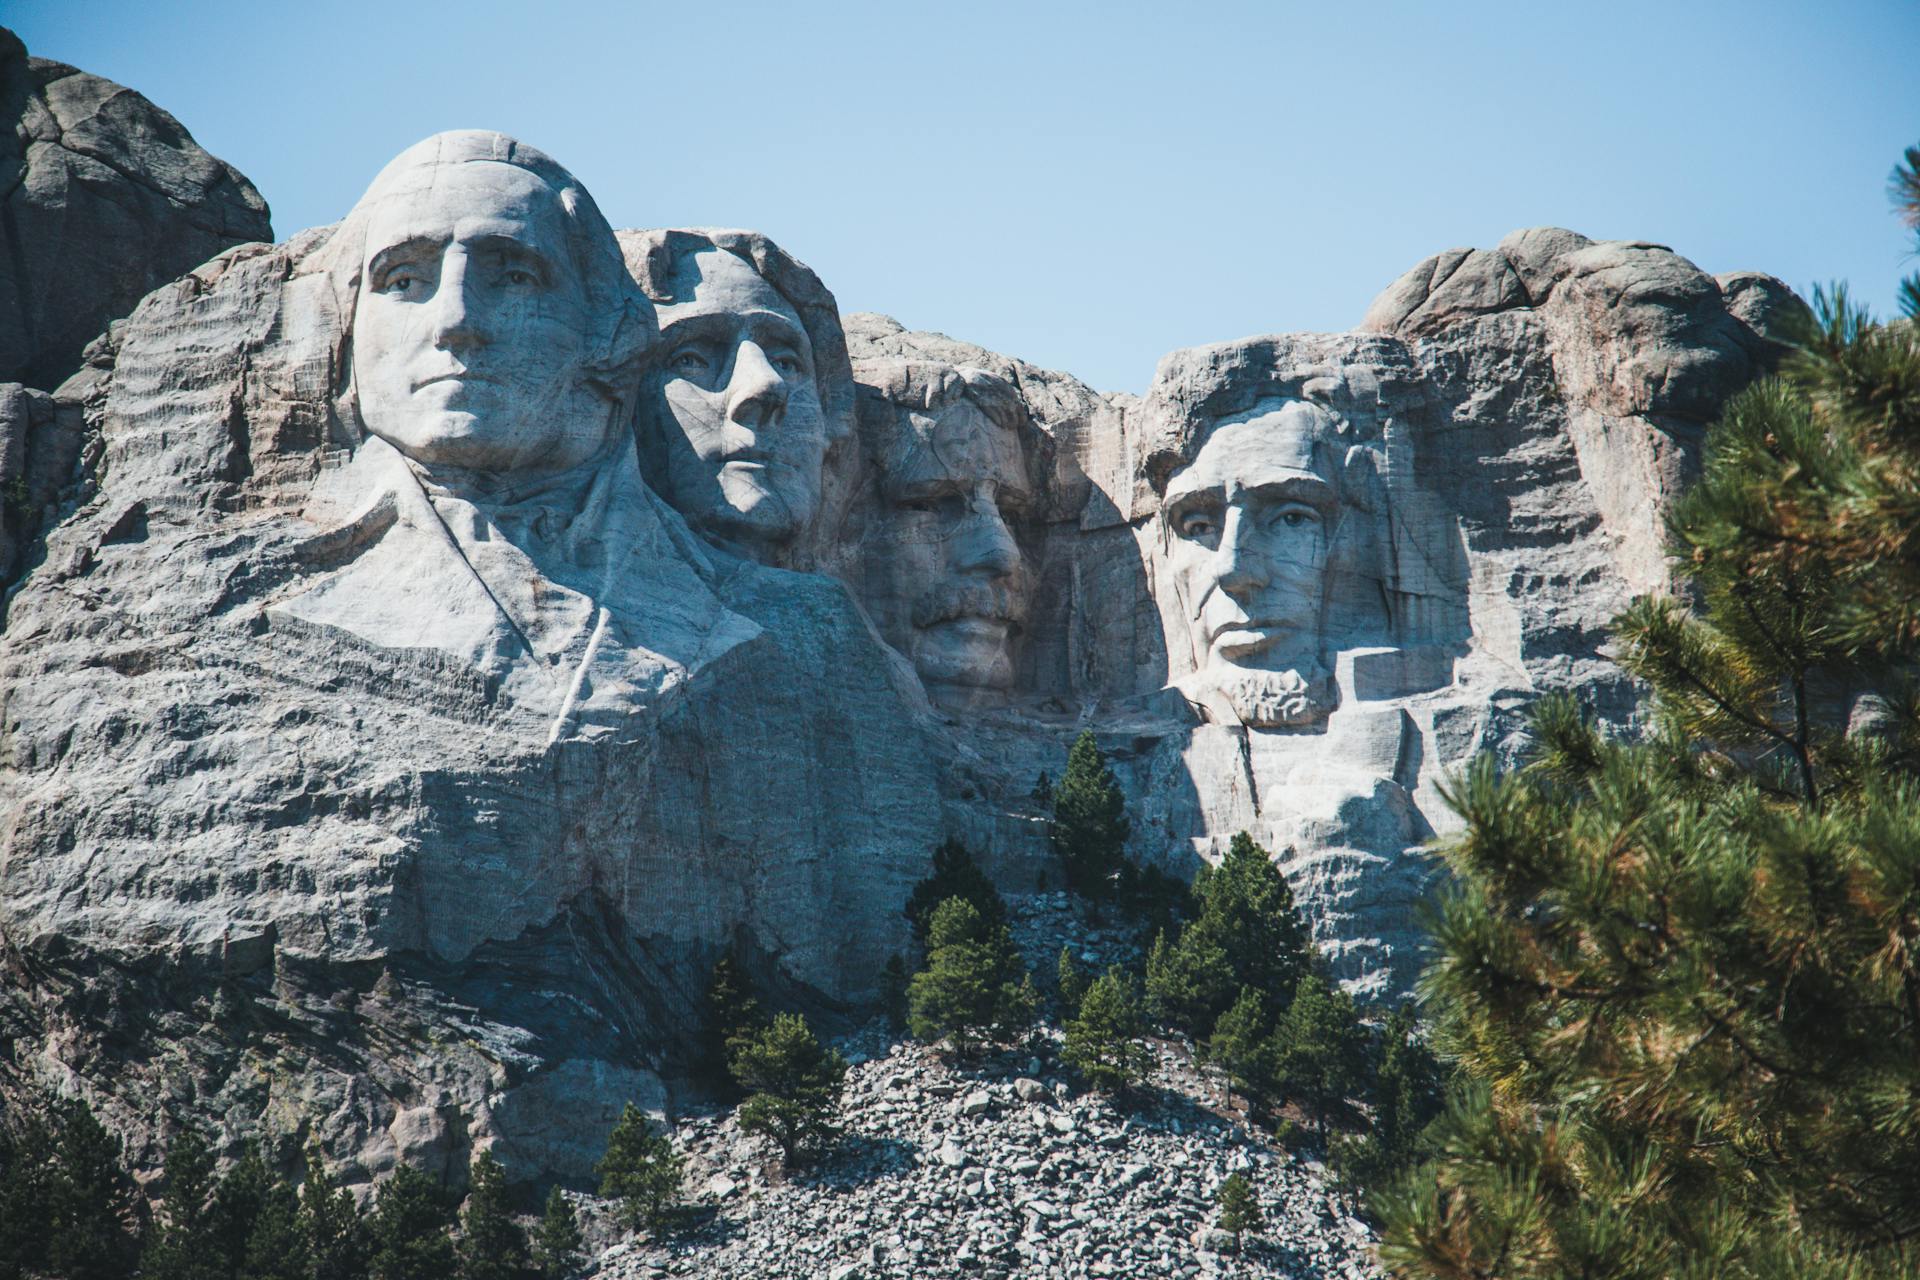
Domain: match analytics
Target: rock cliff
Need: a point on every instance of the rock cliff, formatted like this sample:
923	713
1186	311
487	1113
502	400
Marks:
447	631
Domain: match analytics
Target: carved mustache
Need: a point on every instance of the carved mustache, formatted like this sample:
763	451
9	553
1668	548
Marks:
995	601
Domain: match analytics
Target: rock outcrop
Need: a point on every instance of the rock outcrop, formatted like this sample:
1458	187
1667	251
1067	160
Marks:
104	197
441	635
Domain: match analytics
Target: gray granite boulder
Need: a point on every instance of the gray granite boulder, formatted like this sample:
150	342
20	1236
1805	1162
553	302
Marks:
106	197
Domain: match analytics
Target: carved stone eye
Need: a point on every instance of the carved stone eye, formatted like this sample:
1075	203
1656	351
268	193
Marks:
690	362
1198	524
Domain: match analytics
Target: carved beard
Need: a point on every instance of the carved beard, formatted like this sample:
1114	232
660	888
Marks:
1273	699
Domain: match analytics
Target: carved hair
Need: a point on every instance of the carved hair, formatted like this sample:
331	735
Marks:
654	258
623	317
888	387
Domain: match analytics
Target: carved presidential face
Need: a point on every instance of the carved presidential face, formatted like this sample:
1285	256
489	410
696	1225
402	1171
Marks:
1247	530
945	579
739	406
471	325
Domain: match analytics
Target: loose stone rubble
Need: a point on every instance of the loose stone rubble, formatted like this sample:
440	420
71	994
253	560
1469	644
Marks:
999	1171
459	625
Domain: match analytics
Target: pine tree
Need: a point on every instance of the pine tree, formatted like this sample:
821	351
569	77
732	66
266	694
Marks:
409	1228
330	1223
1072	980
237	1203
1089	828
1406	1092
1241	1048
1247	934
255	1221
276	1248
642	1171
1189	980
1239	1208
557	1240
183	1244
1318	1050
975	987
955	875
1103	1041
85	1238
26	1196
1680	972
733	1014
794	1085
492	1246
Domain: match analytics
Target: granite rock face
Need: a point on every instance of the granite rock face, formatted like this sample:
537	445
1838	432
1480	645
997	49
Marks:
105	197
441	635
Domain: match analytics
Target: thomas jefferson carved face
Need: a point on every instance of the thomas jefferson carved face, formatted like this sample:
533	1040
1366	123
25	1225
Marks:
471	325
741	416
945	580
1247	530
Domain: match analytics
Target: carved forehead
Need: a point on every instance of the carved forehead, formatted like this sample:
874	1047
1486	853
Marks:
1267	446
952	441
711	281
438	201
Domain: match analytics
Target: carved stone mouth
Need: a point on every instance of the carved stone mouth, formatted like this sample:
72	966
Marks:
461	376
975	627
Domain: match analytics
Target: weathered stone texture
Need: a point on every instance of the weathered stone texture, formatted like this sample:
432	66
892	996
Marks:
402	703
103	196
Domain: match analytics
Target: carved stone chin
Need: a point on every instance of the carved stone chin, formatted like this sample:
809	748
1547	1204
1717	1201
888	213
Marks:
940	568
1263	699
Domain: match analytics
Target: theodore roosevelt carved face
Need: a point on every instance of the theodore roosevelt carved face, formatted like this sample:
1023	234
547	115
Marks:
475	326
943	575
1247	530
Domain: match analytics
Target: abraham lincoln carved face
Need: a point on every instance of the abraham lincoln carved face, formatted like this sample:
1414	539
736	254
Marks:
1247	531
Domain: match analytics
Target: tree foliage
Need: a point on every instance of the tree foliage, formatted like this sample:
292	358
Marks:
86	1238
1247	935
1071	981
557	1239
733	1014
182	1243
642	1171
955	875
1318	1050
337	1239
1239	1207
1682	973
1103	1039
794	1085
1089	828
409	1228
975	987
492	1245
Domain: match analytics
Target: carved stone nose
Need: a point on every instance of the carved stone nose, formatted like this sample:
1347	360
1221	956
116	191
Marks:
452	309
757	394
986	545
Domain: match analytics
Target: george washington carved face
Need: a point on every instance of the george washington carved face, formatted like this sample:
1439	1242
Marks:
485	292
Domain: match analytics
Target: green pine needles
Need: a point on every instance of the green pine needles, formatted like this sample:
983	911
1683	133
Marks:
1682	973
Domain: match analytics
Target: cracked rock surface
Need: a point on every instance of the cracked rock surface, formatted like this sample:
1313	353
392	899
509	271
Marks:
106	197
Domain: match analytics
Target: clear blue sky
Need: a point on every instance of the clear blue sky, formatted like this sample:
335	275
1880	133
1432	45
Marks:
1086	185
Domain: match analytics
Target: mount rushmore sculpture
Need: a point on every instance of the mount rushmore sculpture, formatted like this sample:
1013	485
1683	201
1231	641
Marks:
463	623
